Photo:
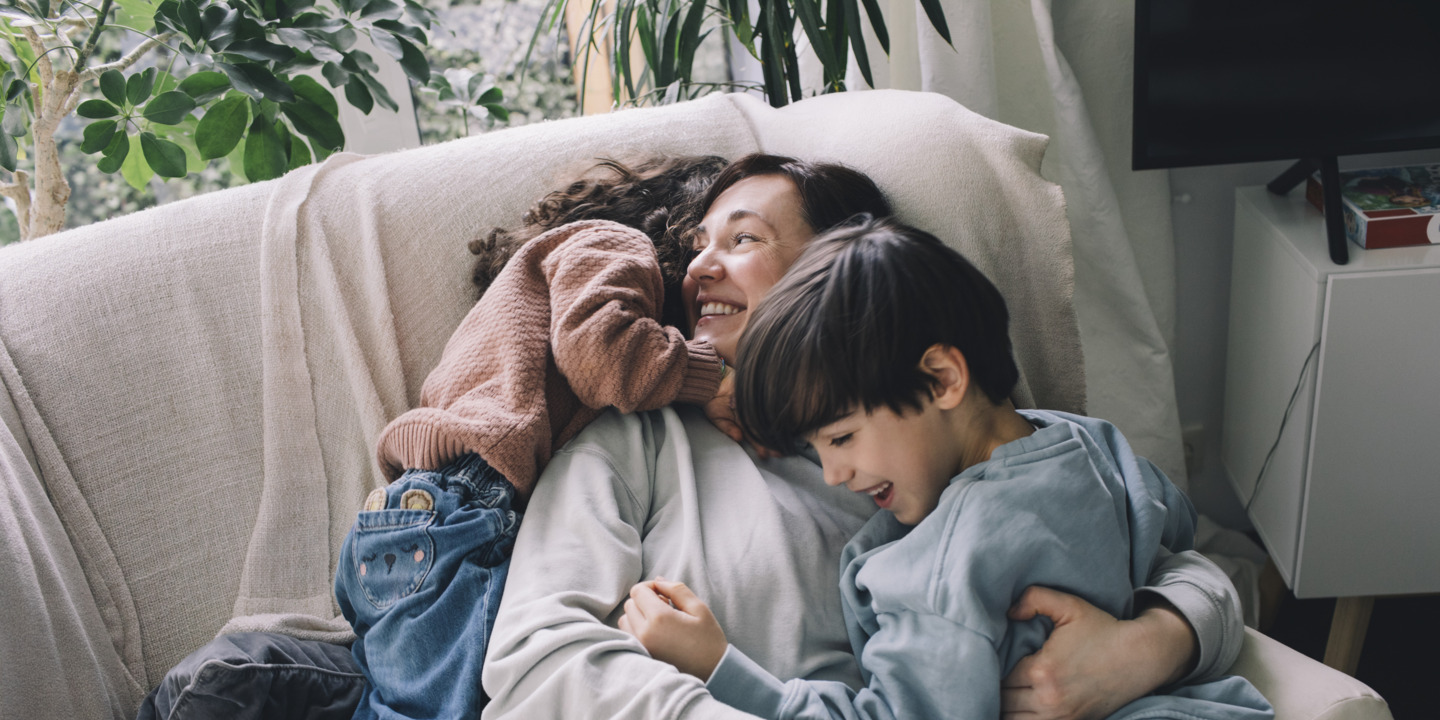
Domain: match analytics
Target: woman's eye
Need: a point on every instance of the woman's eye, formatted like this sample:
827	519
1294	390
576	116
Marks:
839	440
744	238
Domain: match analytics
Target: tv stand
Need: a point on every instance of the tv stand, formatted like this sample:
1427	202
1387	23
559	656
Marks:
1329	168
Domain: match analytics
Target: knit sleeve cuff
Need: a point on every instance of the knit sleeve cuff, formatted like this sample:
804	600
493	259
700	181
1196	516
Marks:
702	374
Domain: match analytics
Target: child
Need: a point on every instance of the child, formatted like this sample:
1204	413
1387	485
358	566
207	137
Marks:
568	327
889	353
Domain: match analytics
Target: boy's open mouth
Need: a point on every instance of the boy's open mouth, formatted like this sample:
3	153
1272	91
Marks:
882	493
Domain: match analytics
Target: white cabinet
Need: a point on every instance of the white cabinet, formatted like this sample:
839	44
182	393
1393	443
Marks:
1349	504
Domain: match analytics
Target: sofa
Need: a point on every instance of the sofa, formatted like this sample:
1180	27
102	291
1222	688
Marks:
191	394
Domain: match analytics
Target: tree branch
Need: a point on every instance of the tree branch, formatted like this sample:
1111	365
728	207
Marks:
89	46
42	57
130	58
19	191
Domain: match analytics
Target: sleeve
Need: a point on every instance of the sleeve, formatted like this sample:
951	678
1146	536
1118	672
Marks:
554	652
910	665
1208	601
605	293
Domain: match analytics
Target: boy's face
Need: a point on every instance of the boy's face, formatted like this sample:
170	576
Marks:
903	461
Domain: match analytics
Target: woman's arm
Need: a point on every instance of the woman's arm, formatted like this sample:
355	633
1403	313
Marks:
1187	628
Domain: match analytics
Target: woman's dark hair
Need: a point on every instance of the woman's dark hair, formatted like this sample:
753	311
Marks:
847	325
660	197
830	193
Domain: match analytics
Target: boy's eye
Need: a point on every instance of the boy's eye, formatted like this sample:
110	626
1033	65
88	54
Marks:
839	440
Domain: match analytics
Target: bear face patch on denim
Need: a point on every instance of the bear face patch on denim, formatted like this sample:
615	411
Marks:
392	552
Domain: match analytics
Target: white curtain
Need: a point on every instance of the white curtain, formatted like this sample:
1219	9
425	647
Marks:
1066	73
1066	70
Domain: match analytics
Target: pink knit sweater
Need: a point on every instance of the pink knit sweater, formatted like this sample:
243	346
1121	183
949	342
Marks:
567	328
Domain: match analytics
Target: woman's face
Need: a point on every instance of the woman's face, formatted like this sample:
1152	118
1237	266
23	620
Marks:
748	239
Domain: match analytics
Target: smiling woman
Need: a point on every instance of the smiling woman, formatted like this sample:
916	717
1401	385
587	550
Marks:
761	212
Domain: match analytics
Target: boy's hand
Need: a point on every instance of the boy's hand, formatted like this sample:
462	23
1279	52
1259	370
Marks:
721	411
675	626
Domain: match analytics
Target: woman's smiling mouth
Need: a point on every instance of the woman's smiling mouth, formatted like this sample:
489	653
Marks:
718	308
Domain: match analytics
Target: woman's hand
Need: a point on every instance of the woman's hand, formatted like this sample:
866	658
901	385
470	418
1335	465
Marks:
675	626
721	411
1093	664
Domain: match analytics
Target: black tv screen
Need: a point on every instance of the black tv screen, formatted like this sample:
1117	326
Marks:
1226	81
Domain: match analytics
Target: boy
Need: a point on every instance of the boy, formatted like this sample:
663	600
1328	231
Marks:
889	353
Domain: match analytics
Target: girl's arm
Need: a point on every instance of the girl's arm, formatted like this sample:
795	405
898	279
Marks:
605	296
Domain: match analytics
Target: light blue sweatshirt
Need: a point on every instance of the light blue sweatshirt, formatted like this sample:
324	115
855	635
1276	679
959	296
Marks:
1069	507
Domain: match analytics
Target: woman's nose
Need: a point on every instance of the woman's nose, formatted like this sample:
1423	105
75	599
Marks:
706	265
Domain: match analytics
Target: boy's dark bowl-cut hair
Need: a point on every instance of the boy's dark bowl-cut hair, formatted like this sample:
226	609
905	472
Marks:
830	193
847	325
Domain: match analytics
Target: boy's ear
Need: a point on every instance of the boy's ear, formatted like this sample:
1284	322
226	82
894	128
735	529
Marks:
947	365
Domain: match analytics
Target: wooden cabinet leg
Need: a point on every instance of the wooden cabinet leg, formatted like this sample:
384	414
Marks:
1347	633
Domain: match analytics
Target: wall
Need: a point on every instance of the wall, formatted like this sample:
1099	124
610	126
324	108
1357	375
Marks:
1203	214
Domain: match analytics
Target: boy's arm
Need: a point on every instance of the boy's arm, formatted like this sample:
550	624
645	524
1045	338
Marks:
552	654
911	665
605	293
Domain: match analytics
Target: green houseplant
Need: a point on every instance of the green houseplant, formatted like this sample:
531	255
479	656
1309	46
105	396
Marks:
667	34
237	79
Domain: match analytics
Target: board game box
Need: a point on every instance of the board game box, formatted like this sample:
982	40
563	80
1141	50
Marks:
1387	207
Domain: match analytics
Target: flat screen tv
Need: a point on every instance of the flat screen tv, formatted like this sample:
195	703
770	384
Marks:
1228	81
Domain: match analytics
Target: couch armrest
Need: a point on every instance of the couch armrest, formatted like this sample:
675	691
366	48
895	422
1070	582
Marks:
1301	688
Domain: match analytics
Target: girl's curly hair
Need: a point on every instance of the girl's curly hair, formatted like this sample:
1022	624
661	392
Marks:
660	196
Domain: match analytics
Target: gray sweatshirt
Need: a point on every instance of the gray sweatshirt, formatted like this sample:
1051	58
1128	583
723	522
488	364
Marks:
1069	507
665	493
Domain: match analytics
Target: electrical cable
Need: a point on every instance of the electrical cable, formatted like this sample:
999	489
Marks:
1285	420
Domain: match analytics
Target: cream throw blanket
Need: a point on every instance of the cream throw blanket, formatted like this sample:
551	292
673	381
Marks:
200	386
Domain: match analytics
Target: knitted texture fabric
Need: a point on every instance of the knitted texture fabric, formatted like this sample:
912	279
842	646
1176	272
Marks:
568	328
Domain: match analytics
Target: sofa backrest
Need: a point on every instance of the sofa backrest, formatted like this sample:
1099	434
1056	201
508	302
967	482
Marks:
200	385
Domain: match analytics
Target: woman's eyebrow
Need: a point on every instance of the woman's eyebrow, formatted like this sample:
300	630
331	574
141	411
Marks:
742	213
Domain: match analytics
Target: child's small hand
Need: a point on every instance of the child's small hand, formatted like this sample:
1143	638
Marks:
675	626
721	411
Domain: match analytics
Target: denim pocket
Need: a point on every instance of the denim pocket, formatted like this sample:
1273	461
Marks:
392	552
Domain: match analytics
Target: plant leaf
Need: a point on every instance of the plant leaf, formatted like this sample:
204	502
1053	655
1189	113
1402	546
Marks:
937	18
9	151
193	24
260	50
307	87
690	38
13	123
139	86
808	11
112	86
334	74
169	108
97	136
413	62
498	111
382	10
135	13
164	157
857	40
299	153
264	154
95	109
359	95
382	96
134	169
115	153
877	23
257	82
388	43
205	85
313	121
222	127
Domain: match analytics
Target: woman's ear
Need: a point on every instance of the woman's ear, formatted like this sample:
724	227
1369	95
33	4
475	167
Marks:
947	365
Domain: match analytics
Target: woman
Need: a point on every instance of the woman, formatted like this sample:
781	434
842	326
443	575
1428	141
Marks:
661	494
